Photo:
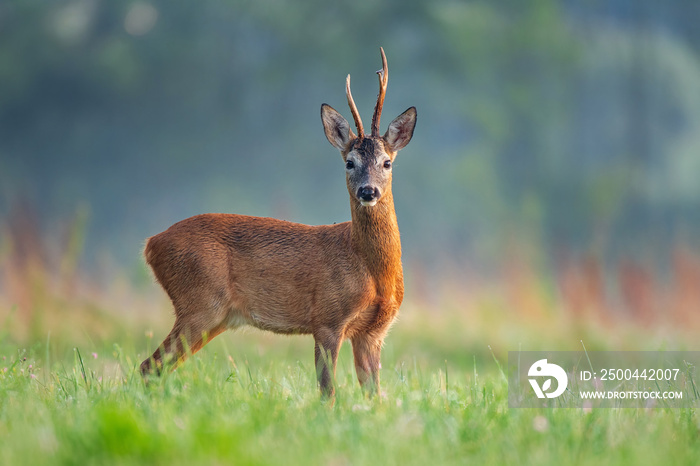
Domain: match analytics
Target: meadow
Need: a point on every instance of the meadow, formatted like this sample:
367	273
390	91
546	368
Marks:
554	154
70	392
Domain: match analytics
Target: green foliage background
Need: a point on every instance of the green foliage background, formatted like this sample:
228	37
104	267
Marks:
568	124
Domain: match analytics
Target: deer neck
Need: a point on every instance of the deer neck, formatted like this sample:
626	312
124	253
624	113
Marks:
375	238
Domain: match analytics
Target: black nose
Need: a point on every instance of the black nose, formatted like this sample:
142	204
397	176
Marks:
367	193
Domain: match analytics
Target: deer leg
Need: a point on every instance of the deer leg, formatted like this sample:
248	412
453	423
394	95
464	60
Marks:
184	339
326	358
367	351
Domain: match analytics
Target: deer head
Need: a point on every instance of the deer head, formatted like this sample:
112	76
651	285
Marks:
368	159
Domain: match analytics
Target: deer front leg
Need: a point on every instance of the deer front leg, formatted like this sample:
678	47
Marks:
326	357
367	351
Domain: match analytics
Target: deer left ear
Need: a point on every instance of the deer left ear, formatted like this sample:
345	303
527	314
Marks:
401	129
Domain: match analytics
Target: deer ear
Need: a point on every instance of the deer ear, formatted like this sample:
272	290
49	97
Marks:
400	130
336	127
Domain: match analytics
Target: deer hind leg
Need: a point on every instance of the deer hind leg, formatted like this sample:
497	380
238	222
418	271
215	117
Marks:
326	358
187	337
367	351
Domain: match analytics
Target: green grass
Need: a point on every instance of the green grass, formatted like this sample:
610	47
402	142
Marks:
245	400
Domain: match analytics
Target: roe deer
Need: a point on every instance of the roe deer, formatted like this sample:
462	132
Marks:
334	282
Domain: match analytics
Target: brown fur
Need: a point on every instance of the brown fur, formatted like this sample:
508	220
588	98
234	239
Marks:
222	271
334	282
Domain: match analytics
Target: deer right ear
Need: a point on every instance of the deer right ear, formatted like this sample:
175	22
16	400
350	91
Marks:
336	127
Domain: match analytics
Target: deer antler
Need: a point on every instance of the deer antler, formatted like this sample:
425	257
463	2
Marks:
383	80
353	109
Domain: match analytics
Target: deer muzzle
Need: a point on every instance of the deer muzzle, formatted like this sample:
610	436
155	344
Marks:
368	195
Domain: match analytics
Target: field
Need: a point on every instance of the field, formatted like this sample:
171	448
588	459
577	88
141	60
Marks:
72	395
547	201
70	391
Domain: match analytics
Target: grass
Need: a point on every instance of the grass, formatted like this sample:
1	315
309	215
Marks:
70	392
252	399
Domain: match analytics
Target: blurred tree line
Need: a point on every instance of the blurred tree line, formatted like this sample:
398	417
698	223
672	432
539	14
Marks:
561	124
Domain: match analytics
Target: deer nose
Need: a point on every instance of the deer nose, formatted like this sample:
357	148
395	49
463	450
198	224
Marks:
367	193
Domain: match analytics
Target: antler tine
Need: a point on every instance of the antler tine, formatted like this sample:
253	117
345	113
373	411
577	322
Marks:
353	109
383	80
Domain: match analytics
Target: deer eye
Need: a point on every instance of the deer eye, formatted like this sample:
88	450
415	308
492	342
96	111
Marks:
387	164
349	165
